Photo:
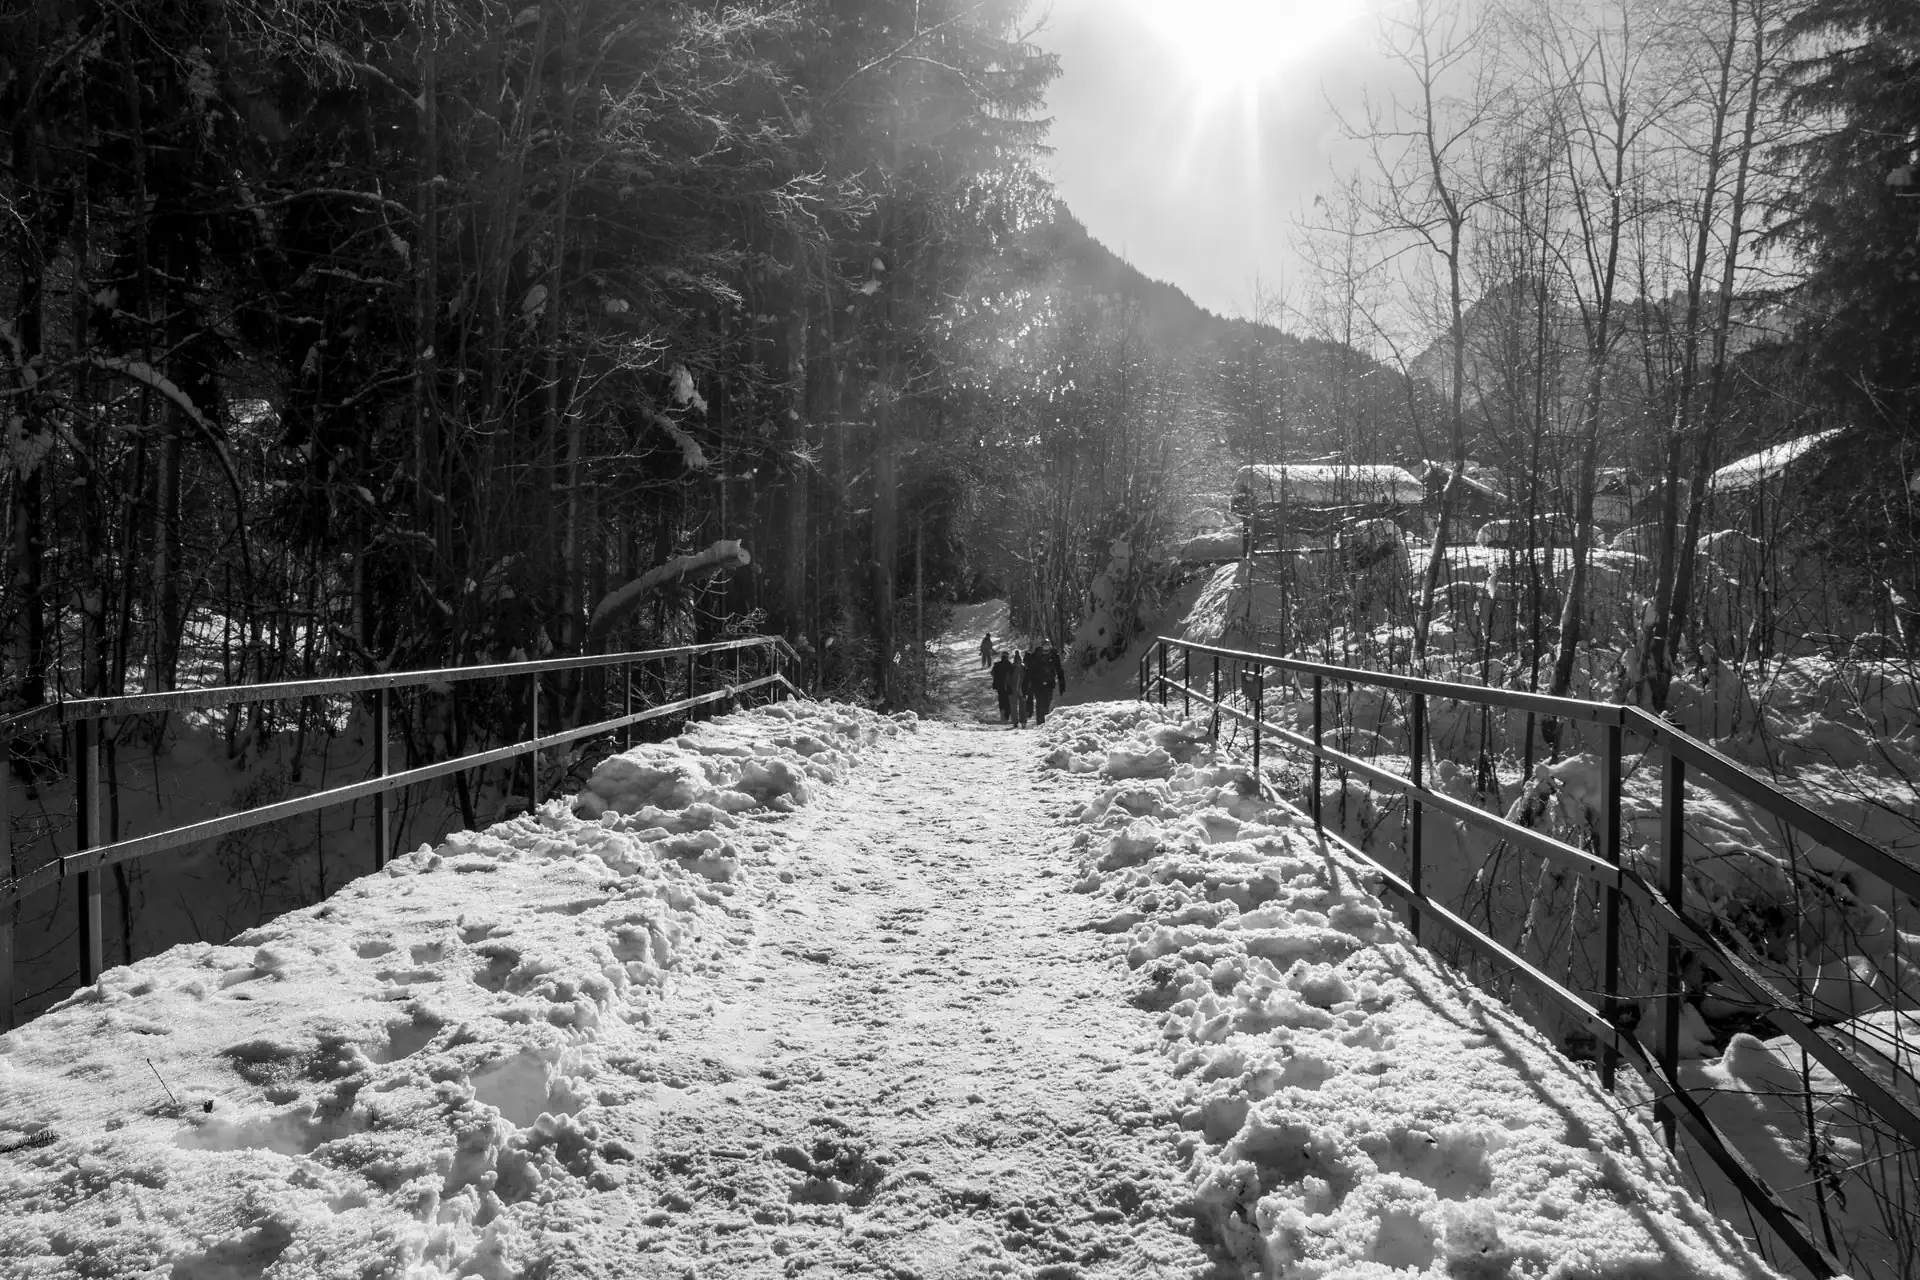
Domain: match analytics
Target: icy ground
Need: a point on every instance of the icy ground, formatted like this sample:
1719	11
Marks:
814	992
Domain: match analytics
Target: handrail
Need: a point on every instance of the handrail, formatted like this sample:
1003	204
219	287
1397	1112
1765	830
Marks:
1750	786
1665	902
95	859
1565	708
90	856
70	709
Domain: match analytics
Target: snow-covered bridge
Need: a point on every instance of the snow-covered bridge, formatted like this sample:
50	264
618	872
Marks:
809	990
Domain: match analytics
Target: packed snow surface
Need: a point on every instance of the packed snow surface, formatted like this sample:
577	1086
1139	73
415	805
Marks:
813	991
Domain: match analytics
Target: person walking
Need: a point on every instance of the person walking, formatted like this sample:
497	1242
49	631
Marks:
986	650
1003	685
1044	675
1018	681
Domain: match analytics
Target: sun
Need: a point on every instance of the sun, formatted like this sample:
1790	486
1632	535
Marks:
1233	46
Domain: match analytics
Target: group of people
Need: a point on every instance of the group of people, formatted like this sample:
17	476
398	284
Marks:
1025	682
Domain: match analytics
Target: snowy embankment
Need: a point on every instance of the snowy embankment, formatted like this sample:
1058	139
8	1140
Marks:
366	1087
1353	1109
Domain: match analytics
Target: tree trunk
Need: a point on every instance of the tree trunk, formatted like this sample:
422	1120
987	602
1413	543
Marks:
430	496
1456	402
167	620
573	538
1717	374
1657	669
793	583
885	528
28	642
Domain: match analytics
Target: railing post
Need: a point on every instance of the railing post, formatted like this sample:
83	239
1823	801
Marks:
690	710
1415	809
1610	897
1314	807
86	778
1213	729
1163	675
1141	671
1259	714
533	756
382	766
10	917
1186	683
1673	817
626	705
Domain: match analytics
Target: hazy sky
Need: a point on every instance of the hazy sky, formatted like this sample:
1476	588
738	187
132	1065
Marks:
1190	134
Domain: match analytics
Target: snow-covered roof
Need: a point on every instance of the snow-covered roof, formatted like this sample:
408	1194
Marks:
1482	488
1771	461
1470	488
1326	485
1220	545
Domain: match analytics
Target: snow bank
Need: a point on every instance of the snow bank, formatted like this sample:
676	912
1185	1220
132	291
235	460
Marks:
731	765
1351	1107
1211	548
1211	618
372	1085
1757	468
1856	1180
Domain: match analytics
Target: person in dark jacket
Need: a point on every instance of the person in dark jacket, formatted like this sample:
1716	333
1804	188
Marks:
1017	682
986	650
1003	685
1044	674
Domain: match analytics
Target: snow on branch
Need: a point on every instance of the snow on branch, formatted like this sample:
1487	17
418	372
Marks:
146	374
691	454
622	601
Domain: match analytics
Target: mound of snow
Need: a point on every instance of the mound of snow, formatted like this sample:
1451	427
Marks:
1351	1107
370	1085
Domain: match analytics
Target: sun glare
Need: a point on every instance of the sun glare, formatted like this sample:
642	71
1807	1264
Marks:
1230	46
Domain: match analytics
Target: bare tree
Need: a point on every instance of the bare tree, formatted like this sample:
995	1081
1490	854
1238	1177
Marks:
1428	182
1746	58
1597	107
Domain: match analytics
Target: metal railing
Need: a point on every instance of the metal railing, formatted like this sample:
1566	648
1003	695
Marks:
84	717
1663	901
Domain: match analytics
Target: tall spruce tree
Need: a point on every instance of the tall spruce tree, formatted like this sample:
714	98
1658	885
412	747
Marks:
1855	216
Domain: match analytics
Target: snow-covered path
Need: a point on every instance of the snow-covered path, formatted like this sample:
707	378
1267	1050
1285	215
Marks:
810	991
923	1066
813	996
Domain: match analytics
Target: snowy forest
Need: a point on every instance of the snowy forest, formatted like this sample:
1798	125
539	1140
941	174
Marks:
347	337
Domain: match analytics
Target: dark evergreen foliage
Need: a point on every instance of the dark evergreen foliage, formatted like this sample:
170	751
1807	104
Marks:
1855	216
